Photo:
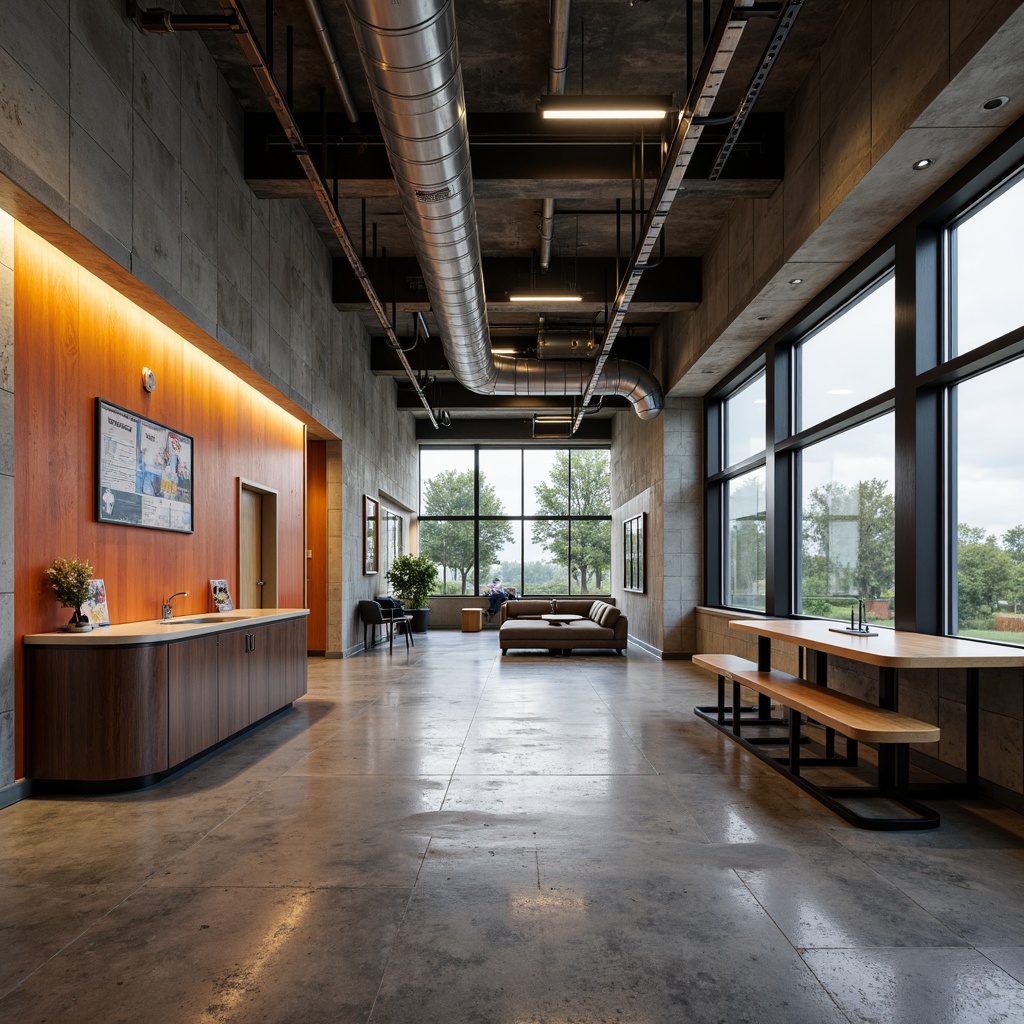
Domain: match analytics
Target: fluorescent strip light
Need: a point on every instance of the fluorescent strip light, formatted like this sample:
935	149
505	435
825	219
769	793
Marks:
504	352
552	419
545	298
605	114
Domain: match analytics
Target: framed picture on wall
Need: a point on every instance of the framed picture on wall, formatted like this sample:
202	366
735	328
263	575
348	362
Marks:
143	471
634	553
371	512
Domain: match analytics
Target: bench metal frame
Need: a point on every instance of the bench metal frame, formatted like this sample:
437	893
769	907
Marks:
892	783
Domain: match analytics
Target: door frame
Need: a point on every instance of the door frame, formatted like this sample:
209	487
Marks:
268	539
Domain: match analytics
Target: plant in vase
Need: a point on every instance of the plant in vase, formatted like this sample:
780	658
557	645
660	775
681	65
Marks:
413	579
71	585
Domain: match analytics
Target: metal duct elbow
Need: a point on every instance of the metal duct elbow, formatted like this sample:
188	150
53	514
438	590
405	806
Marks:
571	376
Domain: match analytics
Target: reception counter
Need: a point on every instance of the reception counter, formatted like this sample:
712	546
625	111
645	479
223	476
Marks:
124	706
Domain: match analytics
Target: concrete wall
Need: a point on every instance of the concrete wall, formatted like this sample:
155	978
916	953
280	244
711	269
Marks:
658	469
126	151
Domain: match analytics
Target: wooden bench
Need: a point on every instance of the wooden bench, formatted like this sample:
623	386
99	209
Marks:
854	719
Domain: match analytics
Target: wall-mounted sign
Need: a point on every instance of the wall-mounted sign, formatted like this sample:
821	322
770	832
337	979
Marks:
143	471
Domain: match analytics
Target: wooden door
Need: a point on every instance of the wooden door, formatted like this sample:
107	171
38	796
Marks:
316	539
250	549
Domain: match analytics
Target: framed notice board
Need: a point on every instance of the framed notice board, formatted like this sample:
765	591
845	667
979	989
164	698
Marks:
143	471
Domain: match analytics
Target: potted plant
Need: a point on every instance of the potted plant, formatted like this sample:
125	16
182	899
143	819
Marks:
413	578
71	585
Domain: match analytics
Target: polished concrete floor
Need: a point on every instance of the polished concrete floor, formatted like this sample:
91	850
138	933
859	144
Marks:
451	836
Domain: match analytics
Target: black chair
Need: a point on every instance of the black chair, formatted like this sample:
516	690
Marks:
373	615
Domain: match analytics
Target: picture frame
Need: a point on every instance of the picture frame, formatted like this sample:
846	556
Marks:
144	471
371	532
634	554
94	607
221	596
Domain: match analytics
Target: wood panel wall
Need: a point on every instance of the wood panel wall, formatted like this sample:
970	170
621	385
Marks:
316	541
76	339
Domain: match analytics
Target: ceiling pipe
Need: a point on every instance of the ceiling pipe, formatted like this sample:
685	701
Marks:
278	104
323	37
718	54
410	55
558	65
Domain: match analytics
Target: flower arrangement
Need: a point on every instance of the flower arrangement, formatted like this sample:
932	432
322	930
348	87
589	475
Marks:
70	578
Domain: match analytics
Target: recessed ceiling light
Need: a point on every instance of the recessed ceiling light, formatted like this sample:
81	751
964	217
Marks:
995	103
762	317
797	280
920	165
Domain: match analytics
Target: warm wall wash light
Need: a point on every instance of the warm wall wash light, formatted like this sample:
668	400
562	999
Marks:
604	108
545	298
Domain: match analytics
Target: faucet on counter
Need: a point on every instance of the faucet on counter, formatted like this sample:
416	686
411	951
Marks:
168	611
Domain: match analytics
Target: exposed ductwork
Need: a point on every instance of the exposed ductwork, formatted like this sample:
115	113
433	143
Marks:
410	55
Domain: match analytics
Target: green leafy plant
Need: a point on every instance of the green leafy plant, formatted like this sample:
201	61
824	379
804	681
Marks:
71	578
413	578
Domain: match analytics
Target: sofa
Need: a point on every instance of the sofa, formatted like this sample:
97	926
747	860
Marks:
602	625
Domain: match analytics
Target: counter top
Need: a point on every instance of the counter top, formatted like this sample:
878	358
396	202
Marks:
152	631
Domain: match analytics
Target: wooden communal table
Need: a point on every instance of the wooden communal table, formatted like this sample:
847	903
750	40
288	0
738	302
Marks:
890	651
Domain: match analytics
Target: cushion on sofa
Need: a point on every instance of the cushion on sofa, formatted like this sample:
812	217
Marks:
604	614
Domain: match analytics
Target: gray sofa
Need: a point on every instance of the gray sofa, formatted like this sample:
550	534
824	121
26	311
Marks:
522	627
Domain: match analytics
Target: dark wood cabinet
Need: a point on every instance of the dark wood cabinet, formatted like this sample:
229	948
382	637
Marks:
121	716
192	697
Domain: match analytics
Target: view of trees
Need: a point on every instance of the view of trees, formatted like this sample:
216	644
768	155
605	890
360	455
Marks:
849	542
989	575
589	554
450	544
579	557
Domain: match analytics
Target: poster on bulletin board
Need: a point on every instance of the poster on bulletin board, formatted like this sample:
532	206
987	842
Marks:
143	471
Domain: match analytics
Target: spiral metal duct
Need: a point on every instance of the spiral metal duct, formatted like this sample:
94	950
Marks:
410	55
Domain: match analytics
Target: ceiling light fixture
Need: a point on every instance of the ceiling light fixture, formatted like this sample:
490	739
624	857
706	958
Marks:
920	165
504	351
545	298
797	280
552	419
995	103
762	318
604	108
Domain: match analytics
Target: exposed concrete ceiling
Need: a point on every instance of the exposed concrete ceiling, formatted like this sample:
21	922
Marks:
614	49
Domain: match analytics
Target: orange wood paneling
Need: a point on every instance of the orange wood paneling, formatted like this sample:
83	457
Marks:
316	541
76	339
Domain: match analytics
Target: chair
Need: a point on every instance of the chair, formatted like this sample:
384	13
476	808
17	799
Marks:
373	615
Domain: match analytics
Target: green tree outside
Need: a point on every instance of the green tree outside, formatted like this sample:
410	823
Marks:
589	553
449	542
849	541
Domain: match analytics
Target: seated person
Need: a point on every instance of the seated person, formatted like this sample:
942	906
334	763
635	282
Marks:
496	597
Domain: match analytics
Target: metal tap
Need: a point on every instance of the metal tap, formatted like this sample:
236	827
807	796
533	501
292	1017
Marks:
166	606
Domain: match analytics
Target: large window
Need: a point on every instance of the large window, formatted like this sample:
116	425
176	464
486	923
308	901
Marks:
986	297
538	519
744	559
850	359
988	506
893	459
848	523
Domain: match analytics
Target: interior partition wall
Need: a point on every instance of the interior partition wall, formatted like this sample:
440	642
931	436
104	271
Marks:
873	449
